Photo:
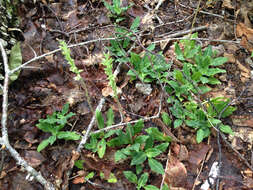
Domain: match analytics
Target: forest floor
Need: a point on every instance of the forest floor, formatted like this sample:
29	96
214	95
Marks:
46	84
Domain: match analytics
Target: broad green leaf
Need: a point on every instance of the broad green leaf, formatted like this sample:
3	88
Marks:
179	53
213	71
135	24
110	133
165	187
150	187
65	109
101	146
112	178
119	155
130	176
151	47
141	139
149	143
138	158
166	118
155	166
178	75
79	164
177	123
252	54
162	147
200	135
196	76
15	60
139	168
157	135
110	117
43	144
46	127
226	129
138	127
100	119
68	135
152	152
215	121
90	175
142	180
219	61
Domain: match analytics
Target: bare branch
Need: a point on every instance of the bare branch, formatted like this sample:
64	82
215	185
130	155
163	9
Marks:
4	140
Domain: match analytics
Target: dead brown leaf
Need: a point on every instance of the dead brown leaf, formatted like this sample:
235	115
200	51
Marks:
198	155
243	120
247	36
176	173
34	158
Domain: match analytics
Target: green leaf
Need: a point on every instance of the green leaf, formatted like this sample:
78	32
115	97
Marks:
219	61
130	176
252	54
15	60
177	123
68	135
141	139
157	135
226	129
155	166
150	187
142	180
165	187
110	117
79	164
138	158
152	152
139	169
166	118
162	147
100	119
101	148
135	24
213	71
179	53
200	135
138	127
65	109
119	155
90	175
45	143
112	178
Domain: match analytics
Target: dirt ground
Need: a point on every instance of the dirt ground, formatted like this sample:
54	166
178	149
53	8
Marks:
47	84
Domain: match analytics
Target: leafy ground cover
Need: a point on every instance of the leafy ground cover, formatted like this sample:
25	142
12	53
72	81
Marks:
130	101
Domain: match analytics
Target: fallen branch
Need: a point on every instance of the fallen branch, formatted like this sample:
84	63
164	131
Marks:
4	140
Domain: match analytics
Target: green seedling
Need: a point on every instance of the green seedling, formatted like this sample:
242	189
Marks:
54	124
149	67
73	68
120	46
141	147
98	141
116	9
142	181
111	179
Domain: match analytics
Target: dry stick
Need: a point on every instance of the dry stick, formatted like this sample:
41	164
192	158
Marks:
198	39
130	122
55	51
92	122
4	140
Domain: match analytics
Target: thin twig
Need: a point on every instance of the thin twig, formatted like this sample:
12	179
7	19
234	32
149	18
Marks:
5	139
93	121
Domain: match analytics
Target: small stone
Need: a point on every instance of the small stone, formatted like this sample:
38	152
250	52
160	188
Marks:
144	88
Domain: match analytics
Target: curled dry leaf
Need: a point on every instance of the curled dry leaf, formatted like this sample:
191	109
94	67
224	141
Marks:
247	36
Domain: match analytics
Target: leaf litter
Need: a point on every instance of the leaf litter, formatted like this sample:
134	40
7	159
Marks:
48	86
